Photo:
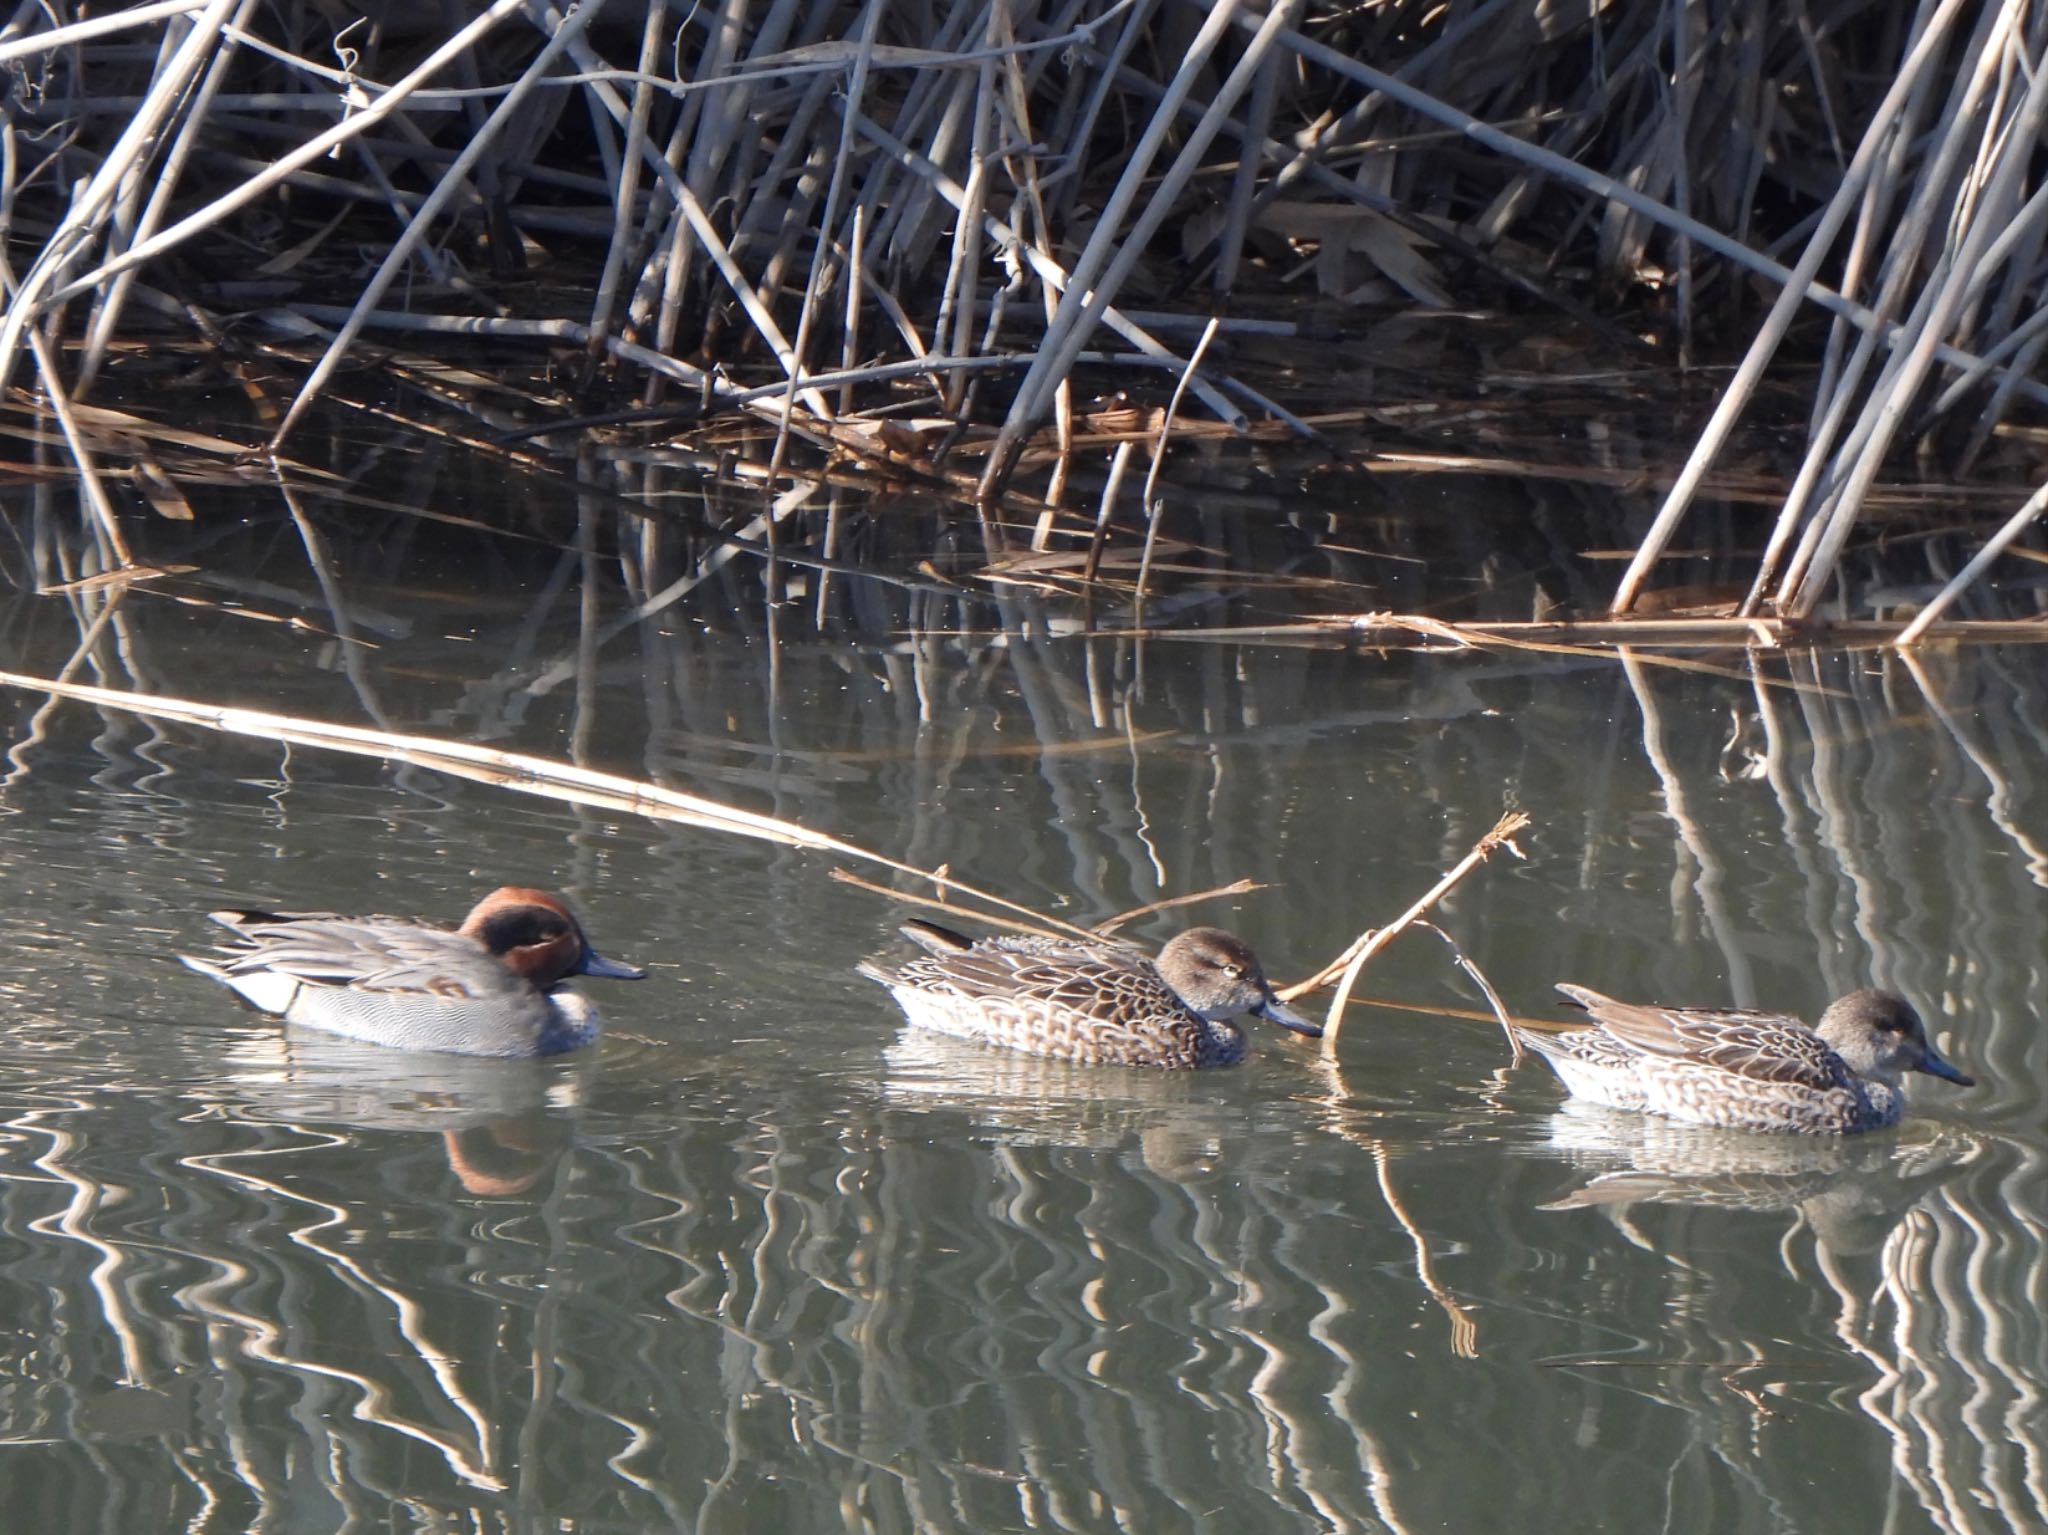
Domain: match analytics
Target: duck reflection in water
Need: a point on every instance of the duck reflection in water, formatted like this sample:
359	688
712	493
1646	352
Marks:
502	1124
1852	1192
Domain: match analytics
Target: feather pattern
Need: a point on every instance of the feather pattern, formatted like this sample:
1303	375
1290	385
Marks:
490	987
1090	1002
388	954
1742	1069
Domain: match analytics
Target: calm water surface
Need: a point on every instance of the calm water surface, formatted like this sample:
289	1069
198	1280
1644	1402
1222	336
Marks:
761	1261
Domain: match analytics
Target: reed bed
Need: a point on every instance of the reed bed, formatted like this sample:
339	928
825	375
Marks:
918	238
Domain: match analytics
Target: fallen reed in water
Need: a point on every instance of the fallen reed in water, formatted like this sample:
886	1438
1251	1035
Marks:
570	783
909	235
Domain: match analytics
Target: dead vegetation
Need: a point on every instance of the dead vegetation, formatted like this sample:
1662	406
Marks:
912	240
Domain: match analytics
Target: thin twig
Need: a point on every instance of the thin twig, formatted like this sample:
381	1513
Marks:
1354	959
1150	499
1464	963
1963	579
1124	918
1040	926
1119	464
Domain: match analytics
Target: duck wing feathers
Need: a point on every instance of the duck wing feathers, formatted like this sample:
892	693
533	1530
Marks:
1764	1047
378	954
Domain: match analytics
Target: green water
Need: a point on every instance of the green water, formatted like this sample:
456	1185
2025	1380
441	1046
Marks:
762	1261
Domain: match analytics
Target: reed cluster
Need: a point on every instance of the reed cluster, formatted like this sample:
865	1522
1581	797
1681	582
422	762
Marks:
910	232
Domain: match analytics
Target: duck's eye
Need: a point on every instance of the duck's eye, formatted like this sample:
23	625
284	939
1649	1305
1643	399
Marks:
1235	972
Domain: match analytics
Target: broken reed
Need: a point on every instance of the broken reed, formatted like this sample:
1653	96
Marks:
833	215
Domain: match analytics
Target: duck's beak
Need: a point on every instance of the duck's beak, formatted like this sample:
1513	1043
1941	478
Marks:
1280	1013
1935	1066
595	963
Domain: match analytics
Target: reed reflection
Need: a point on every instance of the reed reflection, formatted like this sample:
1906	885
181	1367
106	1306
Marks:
760	1262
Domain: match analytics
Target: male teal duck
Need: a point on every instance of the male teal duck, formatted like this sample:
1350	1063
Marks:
489	987
1092	1003
1744	1070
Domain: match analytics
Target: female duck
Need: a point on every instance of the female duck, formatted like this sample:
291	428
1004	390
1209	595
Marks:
1095	1003
490	987
1746	1070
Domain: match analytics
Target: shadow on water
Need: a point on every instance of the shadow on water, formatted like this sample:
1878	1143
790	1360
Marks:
764	1260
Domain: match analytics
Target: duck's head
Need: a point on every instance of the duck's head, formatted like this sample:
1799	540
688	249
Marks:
1880	1035
1218	975
537	936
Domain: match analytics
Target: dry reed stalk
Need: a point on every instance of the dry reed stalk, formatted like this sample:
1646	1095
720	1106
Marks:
841	162
1347	966
91	206
1464	1014
521	772
1174	903
1120	239
1026	921
1796	291
701	228
1022	919
1618	193
72	33
453	181
1822	498
1963	224
626	192
1119	466
1681	144
1967	577
109	302
1150	499
1500	1012
214	212
105	517
1596	636
1812	570
1049	272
